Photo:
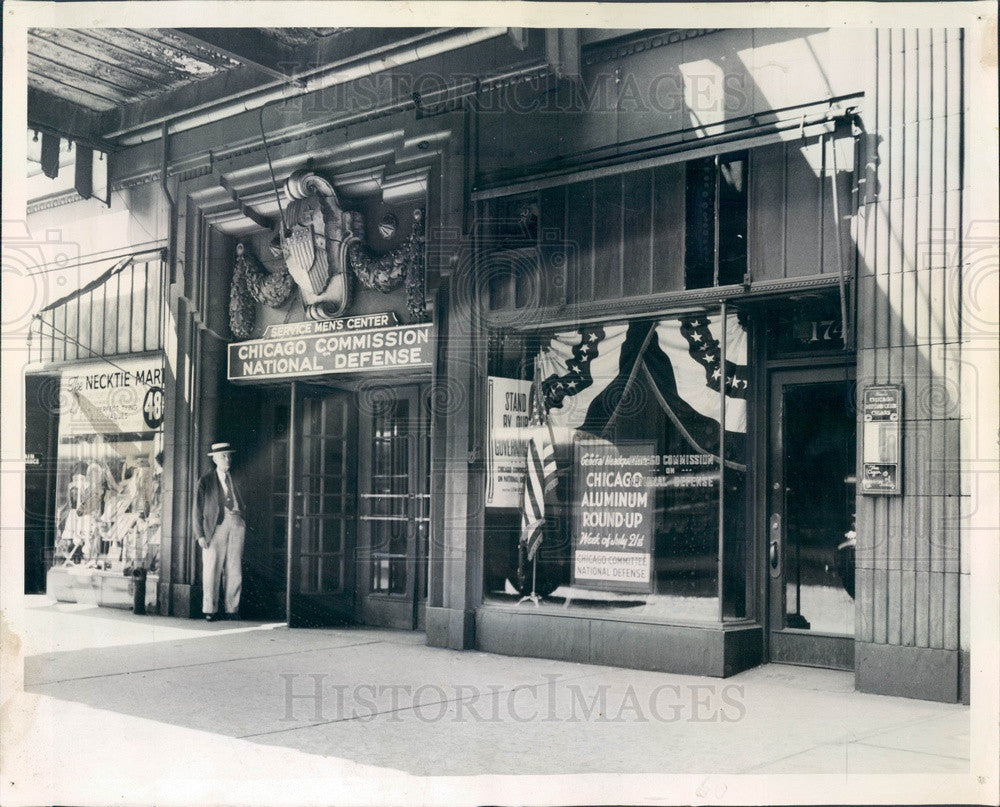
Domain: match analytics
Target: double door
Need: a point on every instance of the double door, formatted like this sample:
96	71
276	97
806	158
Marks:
357	534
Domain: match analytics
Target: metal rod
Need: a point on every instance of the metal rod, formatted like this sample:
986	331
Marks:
821	207
680	151
846	332
715	230
722	455
290	524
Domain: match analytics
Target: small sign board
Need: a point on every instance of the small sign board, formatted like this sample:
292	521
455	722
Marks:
359	322
882	436
508	401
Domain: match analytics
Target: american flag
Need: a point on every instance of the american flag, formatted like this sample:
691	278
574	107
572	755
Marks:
539	479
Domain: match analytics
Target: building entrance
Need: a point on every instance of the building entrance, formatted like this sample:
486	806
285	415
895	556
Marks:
810	547
394	510
322	492
358	524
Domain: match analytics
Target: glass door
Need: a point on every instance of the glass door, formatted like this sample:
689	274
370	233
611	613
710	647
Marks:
394	517
321	572
810	531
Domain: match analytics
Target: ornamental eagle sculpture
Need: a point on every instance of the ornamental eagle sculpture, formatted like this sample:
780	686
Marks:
314	242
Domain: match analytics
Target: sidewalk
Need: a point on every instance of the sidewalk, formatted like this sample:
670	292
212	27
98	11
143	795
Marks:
174	696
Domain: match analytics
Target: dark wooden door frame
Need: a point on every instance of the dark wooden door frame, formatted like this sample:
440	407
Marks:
404	610
790	645
318	608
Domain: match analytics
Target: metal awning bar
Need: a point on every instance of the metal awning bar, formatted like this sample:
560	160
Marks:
686	146
673	303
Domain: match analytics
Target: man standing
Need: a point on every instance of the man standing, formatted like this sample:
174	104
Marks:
220	529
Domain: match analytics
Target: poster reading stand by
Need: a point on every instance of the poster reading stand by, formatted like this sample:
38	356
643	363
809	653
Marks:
507	438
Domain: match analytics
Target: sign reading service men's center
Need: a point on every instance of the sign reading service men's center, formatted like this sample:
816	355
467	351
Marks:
613	516
320	349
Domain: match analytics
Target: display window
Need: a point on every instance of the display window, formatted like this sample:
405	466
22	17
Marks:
109	476
633	484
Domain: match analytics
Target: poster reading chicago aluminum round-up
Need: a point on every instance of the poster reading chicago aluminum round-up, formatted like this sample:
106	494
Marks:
110	463
613	515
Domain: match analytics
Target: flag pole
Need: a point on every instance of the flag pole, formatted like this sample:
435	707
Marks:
536	413
722	456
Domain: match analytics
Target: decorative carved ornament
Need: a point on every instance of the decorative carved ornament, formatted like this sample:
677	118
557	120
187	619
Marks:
315	244
323	248
254	284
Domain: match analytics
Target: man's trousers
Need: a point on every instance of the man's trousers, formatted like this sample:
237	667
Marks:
224	559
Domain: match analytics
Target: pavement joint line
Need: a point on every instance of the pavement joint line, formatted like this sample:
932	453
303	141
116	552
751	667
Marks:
851	739
912	751
886	729
195	664
373	715
794	754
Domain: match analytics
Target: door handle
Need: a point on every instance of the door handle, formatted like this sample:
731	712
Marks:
774	546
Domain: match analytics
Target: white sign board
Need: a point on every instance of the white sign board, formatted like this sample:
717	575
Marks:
508	414
113	397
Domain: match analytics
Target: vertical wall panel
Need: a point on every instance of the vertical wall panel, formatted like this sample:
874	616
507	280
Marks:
766	225
637	269
579	253
552	235
72	328
802	194
607	237
154	307
906	325
124	311
668	227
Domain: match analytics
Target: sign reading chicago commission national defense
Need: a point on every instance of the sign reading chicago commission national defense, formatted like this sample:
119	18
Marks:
322	352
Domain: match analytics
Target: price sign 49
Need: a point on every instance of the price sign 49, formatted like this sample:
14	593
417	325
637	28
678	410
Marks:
152	407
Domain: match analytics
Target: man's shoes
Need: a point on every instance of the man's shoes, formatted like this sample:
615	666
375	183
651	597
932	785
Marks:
211	617
233	617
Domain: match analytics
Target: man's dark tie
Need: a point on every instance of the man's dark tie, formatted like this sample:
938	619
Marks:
230	495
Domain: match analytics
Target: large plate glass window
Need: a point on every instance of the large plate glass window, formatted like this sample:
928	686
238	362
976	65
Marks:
646	512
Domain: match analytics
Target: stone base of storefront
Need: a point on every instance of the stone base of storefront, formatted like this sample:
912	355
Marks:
964	677
909	672
718	651
97	587
185	600
451	627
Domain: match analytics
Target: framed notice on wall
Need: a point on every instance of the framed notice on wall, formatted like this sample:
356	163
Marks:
882	436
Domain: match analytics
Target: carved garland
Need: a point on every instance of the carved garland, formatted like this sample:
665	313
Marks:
251	282
386	273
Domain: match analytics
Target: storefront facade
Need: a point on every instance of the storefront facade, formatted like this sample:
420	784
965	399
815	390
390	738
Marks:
714	294
95	394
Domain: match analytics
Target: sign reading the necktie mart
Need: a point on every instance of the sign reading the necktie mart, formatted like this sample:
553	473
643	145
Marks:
613	515
882	410
403	347
508	400
123	395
